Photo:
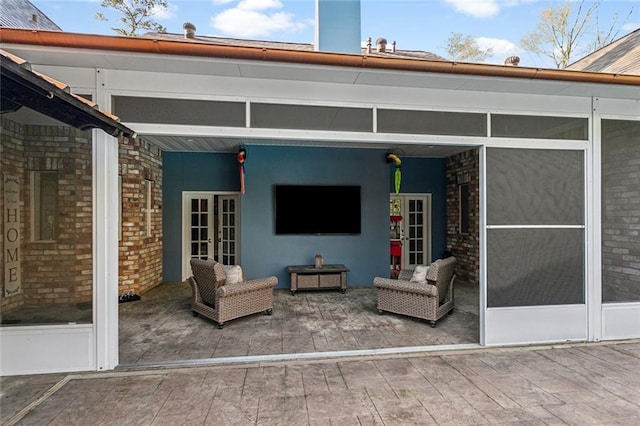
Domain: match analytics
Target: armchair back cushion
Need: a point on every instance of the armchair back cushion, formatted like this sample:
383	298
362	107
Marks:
440	273
209	275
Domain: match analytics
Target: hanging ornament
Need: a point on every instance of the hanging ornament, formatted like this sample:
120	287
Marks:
397	174
242	156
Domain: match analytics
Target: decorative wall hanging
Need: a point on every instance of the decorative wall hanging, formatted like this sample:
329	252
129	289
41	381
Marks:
397	175
242	156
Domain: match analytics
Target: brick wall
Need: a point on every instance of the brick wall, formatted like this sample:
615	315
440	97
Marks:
464	168
57	271
140	256
620	212
60	271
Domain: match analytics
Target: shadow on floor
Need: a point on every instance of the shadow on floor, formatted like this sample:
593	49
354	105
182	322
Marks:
161	328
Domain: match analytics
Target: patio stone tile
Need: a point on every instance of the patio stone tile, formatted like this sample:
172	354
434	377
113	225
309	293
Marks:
518	416
183	379
182	401
339	404
401	372
404	412
285	410
455	412
223	412
47	411
427	394
194	418
224	377
578	414
494	392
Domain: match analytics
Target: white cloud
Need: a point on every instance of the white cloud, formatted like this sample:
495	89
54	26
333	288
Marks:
502	49
631	26
476	8
219	2
259	4
164	13
484	8
255	18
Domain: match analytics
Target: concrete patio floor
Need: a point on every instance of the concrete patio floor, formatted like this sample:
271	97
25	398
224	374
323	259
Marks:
160	327
574	384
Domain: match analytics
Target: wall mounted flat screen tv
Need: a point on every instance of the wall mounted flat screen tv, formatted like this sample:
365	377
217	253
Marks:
317	209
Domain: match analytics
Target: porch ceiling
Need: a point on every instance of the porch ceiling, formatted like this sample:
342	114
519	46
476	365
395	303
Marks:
217	144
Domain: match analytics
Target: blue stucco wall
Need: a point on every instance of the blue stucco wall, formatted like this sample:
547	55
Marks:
428	175
189	171
263	252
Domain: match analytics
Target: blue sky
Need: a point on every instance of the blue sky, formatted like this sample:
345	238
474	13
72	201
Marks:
413	24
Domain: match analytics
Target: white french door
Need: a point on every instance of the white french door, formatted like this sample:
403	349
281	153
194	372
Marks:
210	228
228	230
414	229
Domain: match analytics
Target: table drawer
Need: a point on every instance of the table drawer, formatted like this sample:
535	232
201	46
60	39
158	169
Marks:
330	280
307	281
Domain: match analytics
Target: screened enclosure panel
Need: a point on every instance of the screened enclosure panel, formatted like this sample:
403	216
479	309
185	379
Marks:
539	127
310	117
432	122
535	235
620	211
135	109
529	267
535	187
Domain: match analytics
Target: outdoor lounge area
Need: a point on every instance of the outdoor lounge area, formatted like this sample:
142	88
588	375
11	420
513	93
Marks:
160	327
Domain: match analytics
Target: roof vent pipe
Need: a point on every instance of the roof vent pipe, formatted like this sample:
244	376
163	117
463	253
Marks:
369	45
512	61
381	45
393	46
189	30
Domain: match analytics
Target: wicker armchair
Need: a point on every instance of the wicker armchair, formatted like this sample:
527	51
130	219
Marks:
430	300
222	302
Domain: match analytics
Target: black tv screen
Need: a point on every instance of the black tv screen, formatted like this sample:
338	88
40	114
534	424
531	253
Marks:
317	209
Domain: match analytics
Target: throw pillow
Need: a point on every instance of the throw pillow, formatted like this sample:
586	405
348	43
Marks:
420	274
233	273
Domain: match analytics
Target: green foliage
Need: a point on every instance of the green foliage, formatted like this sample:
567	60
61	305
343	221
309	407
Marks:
561	32
465	48
136	15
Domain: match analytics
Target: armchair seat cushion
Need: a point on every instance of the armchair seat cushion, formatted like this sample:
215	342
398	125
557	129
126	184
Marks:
414	287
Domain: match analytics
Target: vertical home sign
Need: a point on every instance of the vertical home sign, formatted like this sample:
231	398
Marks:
12	278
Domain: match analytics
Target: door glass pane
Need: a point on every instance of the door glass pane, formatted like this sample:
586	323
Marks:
620	211
194	234
204	232
194	220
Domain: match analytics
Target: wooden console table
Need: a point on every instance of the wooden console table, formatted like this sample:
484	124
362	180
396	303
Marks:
308	277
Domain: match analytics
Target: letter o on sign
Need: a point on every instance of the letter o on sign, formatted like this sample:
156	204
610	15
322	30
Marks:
12	235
